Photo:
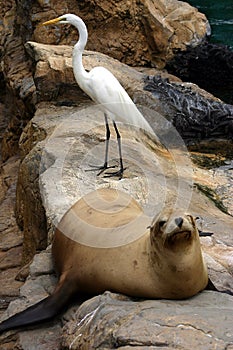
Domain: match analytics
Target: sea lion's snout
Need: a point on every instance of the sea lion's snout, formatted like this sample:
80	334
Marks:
174	228
179	229
172	224
179	221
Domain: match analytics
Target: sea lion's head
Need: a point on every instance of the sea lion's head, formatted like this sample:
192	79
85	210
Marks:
174	230
176	254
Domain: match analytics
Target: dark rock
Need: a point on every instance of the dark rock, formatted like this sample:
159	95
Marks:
195	117
209	65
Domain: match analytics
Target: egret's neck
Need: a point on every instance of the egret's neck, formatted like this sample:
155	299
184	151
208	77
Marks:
78	68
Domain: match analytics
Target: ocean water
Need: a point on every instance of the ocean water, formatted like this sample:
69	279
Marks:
220	16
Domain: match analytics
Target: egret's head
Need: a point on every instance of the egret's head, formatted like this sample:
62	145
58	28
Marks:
68	18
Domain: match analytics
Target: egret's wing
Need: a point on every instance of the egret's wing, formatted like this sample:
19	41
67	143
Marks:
106	90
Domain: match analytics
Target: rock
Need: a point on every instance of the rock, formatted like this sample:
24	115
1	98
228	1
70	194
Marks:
57	60
54	71
66	134
185	105
40	283
144	33
10	235
29	209
195	115
209	65
9	286
16	70
57	147
110	321
141	33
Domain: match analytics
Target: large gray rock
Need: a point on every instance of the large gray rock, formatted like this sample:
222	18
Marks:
111	321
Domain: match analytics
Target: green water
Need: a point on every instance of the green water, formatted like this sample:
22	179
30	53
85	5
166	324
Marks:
220	16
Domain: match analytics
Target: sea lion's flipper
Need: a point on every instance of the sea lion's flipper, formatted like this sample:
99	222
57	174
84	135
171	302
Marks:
44	310
211	286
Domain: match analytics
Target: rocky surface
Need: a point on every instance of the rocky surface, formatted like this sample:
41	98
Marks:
62	139
11	238
112	321
136	33
197	117
144	33
209	65
66	134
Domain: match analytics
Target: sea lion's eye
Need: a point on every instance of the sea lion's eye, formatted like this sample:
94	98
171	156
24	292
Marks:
162	223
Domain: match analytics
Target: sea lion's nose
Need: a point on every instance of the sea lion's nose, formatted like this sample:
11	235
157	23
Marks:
179	222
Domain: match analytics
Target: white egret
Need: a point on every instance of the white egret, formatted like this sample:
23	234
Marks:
102	87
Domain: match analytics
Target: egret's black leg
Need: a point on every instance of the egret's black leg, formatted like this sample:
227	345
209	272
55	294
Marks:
119	147
106	141
105	165
121	170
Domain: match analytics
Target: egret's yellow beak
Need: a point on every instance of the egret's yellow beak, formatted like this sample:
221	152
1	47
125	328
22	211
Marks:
52	21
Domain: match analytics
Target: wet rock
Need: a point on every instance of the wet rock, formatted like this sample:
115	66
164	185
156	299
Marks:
195	116
209	65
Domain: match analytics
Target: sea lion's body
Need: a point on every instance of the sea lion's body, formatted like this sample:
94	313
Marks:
132	268
103	243
133	272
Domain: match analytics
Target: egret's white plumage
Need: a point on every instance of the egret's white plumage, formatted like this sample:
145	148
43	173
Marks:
102	86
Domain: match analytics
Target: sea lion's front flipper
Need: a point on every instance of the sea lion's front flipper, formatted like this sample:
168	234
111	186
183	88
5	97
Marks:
44	310
211	286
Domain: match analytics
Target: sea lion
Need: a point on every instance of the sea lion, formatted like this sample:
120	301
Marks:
106	242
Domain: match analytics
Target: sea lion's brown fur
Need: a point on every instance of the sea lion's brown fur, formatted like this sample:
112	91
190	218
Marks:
103	243
165	261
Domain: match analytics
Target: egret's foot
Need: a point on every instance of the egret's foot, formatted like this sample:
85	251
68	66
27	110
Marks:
100	168
116	173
